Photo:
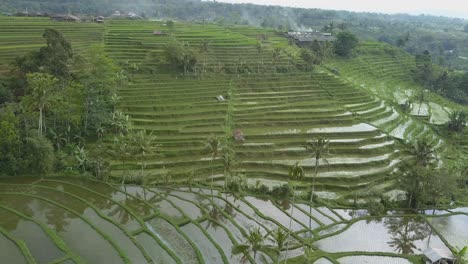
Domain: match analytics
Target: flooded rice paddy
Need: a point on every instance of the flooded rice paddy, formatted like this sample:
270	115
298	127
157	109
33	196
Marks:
65	220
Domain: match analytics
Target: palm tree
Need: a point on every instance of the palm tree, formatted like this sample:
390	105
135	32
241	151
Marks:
228	162
295	173
279	236
204	48
318	148
260	48
276	55
421	97
42	94
122	150
120	122
253	244
115	99
214	147
81	157
144	145
424	153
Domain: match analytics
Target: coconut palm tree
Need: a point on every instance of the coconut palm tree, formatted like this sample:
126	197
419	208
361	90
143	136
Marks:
318	148
214	147
296	172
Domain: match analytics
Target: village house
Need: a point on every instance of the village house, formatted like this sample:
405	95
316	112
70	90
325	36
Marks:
305	38
64	18
99	19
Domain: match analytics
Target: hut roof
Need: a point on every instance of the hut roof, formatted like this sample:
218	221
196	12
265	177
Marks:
436	254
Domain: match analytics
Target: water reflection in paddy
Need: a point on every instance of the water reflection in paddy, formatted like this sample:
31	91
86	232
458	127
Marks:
10	252
39	244
391	234
68	226
108	207
453	228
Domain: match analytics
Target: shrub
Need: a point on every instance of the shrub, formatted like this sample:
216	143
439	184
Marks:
282	191
457	121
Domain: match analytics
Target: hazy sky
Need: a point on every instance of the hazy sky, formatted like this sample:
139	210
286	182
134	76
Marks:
454	8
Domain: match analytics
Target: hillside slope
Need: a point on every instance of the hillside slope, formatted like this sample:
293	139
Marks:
277	112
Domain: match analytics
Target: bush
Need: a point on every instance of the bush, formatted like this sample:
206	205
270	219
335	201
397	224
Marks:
282	191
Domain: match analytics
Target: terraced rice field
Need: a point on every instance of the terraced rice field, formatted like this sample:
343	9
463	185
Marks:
21	35
70	220
277	112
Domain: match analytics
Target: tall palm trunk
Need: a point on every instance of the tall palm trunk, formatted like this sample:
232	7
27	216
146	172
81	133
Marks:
212	176
317	161
290	224
40	121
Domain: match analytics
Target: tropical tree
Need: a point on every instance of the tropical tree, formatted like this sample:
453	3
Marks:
55	56
260	49
122	150
214	146
38	154
295	173
204	49
279	237
345	43
420	97
423	152
457	121
180	56
81	157
318	148
254	243
229	163
309	58
276	55
43	88
143	144
120	122
10	144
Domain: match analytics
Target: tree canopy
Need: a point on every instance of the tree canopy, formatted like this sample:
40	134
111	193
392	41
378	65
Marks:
345	43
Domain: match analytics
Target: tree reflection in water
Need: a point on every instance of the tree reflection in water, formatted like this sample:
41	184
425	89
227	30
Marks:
405	231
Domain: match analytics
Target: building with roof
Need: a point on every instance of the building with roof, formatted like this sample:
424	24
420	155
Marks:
439	256
305	38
